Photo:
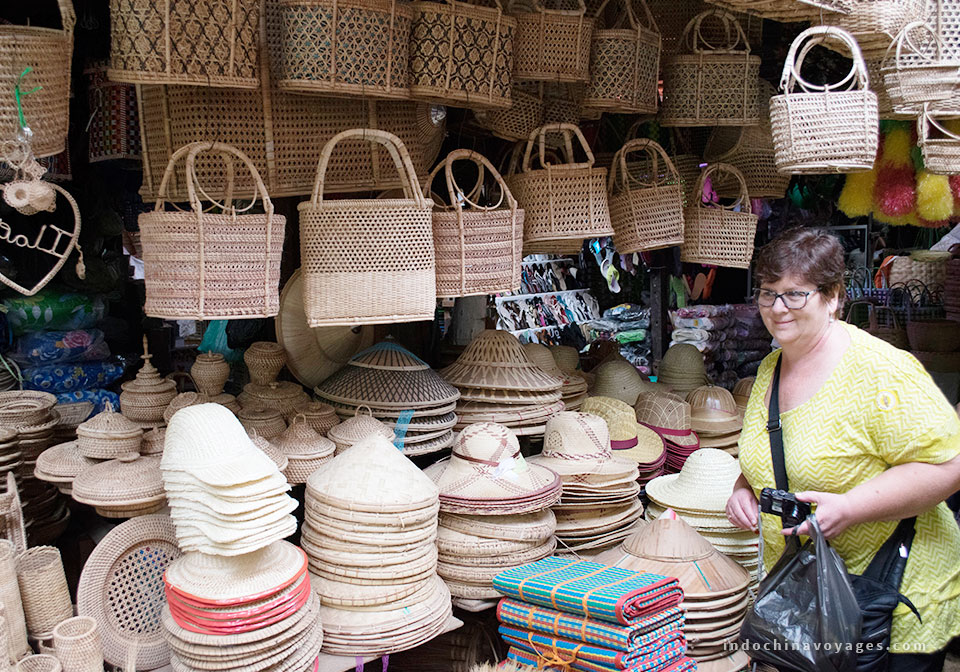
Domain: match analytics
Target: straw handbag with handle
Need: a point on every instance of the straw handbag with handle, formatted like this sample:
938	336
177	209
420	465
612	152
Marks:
646	213
939	145
890	330
551	44
212	265
824	129
917	70
368	261
716	234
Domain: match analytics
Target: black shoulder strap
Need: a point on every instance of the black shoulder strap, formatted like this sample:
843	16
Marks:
775	430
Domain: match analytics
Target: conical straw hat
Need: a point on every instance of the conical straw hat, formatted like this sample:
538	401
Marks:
742	390
566	357
713	410
619	379
542	358
629	439
668	415
705	482
579	443
314	354
495	360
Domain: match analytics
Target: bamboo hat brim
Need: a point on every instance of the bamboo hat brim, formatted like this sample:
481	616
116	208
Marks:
495	360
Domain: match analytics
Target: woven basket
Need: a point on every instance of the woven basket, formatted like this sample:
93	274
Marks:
203	266
200	42
875	23
551	44
16	625
889	329
265	360
646	214
114	123
368	261
788	11
718	235
824	129
43	589
672	16
41	662
478	248
564	203
933	335
345	47
904	270
940	146
461	54
47	52
515	123
920	74
210	372
77	645
708	85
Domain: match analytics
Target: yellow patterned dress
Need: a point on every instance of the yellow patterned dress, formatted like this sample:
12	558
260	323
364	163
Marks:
879	408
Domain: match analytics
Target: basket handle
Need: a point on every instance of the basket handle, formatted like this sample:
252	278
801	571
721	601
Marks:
743	201
876	311
653	150
225	150
695	42
580	11
811	37
629	14
457	195
903	38
398	152
67	15
568	131
925	121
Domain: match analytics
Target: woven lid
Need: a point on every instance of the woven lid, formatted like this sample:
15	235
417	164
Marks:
566	356
360	426
619	379
579	443
108	425
300	440
496	360
317	410
63	461
713	409
282	393
148	380
705	482
667	414
387	376
120	482
372	476
682	359
183	400
152	443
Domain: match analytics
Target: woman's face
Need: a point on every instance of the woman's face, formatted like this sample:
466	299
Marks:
797	325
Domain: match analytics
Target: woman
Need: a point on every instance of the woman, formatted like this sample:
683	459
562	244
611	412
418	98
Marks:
868	439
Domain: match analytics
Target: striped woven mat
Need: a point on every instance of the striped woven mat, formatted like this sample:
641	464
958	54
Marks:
680	664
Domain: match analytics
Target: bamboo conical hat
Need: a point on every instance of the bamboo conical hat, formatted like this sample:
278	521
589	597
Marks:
496	360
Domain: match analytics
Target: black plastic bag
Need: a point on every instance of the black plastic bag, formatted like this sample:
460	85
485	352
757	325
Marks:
806	615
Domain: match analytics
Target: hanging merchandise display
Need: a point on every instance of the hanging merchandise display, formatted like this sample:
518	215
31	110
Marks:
786	10
552	44
717	234
915	72
114	124
939	145
672	16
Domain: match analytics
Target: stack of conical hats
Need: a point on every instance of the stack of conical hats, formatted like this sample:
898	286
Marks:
715	596
699	495
682	369
715	418
600	503
369	531
741	393
399	389
574	390
486	476
144	399
669	416
628	438
498	383
619	379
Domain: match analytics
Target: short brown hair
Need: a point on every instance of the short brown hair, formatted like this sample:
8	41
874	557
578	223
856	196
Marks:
808	253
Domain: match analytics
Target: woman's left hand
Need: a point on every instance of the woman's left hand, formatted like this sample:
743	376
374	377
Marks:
834	513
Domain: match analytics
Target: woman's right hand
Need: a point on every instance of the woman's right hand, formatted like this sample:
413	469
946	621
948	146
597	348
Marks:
742	506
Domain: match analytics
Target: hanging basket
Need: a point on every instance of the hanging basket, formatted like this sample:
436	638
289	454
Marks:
552	44
203	265
478	247
647	214
889	330
624	65
114	123
672	16
914	73
515	123
461	54
195	42
787	11
709	85
564	203
832	128
874	24
47	53
345	47
940	146
368	261
719	235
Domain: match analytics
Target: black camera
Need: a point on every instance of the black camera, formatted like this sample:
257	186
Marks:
784	504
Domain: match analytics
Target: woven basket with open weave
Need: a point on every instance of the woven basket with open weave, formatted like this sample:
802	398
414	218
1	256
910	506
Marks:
917	70
672	16
787	11
721	235
551	44
939	145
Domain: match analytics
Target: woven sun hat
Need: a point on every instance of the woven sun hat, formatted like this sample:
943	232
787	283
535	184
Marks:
495	360
682	367
353	430
530	527
713	411
728	440
128	483
543	359
108	435
668	415
741	392
567	358
629	439
579	443
704	484
620	379
268	422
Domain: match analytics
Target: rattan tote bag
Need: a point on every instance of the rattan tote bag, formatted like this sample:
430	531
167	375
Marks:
41	57
916	69
564	203
939	145
222	262
824	129
552	44
720	235
368	261
646	211
478	247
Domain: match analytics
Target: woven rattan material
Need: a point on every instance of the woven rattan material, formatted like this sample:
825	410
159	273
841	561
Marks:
495	360
552	44
515	123
914	71
284	396
42	662
355	429
43	589
144	398
63	462
264	360
719	235
940	147
22	408
120	483
704	484
320	416
579	443
668	415
76	642
876	23
210	372
386	273
108	435
530	527
16	628
267	422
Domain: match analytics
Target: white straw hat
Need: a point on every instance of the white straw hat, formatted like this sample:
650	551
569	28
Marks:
579	443
705	482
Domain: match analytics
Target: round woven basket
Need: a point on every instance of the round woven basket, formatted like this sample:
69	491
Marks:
77	645
551	45
210	372
721	235
264	360
43	589
39	663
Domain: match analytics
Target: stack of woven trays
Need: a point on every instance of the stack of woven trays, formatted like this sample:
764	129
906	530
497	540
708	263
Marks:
698	495
682	369
264	361
399	389
145	398
356	428
629	439
715	596
669	416
370	526
495	510
10	456
716	418
574	390
600	502
244	612
498	383
951	289
591	617
304	449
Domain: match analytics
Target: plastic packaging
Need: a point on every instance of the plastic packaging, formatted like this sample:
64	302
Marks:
53	310
58	378
60	347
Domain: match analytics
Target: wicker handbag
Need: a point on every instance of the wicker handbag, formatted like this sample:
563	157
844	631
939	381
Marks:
889	330
368	261
721	235
824	129
647	214
672	16
564	203
624	64
875	23
915	73
114	123
939	145
711	86
515	123
202	265
478	250
346	47
196	42
41	57
551	44
461	54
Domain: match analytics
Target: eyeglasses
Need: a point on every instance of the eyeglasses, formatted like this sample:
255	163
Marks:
793	300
